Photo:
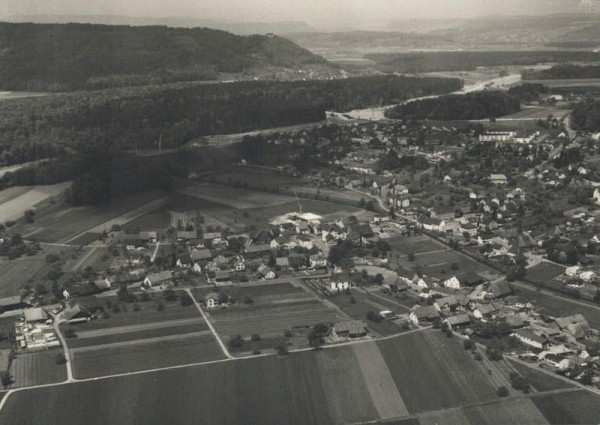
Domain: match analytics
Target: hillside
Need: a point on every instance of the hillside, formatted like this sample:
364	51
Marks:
63	57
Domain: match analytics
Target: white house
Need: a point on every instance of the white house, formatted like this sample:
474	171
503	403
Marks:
596	196
212	300
529	338
160	278
453	283
498	179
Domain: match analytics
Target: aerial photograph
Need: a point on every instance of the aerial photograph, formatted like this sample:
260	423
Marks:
290	212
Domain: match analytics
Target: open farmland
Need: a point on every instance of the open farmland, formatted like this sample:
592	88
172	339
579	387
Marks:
434	372
415	245
15	273
579	407
105	360
544	272
539	380
564	83
15	201
38	368
538	113
271	318
255	177
234	197
63	223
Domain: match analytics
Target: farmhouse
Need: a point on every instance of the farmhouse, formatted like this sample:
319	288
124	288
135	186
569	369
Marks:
498	179
457	321
423	314
446	303
76	314
103	284
351	329
432	224
257	250
200	254
218	276
485	311
575	325
529	338
453	283
161	278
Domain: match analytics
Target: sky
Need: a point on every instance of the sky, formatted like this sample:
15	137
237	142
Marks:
318	13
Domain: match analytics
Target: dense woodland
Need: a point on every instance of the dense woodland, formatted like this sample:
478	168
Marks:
63	57
465	61
586	116
138	118
471	106
563	71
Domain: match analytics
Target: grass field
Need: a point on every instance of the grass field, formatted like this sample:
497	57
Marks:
434	372
507	412
240	198
580	407
86	239
362	305
538	113
135	357
583	82
15	273
539	380
544	272
270	319
414	245
15	201
37	369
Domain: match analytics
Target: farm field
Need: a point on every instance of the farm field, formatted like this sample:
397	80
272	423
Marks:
362	305
148	314
582	82
63	223
579	407
416	245
434	372
544	271
255	177
239	198
15	201
15	273
538	113
506	412
37	368
114	336
183	349
270	319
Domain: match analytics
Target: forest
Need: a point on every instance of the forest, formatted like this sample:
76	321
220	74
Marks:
586	116
138	118
65	57
471	106
469	61
563	71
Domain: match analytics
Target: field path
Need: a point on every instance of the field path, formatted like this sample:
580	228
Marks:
138	342
83	259
210	326
136	328
384	393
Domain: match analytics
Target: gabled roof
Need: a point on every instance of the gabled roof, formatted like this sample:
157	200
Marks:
35	314
500	289
428	312
200	254
459	319
353	327
71	312
160	276
258	248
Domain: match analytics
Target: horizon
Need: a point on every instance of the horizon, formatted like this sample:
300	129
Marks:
353	15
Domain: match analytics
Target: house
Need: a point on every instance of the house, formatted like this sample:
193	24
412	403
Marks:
240	264
576	325
318	260
211	300
498	290
497	136
339	286
498	179
393	282
446	303
103	284
423	314
282	262
266	272
257	250
471	279
453	283
557	361
90	303
11	303
485	311
432	224
529	338
443	214
35	315
160	278
200	254
351	329
457	321
596	196
149	236
184	261
76	314
186	235
516	320
218	276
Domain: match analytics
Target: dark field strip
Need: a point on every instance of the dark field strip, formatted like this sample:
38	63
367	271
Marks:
130	336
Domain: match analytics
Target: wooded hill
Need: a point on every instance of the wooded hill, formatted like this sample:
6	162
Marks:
64	57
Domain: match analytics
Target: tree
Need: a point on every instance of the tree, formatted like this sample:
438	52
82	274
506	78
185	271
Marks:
160	306
185	299
236	341
282	348
468	344
60	359
502	392
29	216
411	256
124	295
255	337
6	379
378	280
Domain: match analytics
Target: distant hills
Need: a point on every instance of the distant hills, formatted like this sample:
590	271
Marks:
63	57
240	28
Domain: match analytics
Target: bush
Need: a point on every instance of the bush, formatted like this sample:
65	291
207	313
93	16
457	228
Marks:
70	333
136	307
288	333
60	359
449	333
468	344
255	337
502	392
185	299
282	349
160	306
236	341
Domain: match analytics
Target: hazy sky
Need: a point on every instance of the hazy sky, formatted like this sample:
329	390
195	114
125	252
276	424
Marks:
320	13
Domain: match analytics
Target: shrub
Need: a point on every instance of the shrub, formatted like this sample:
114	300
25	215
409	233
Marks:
255	337
288	333
502	392
236	341
60	359
185	299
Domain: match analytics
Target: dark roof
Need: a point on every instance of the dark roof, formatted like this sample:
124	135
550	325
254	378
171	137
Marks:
258	248
429	312
76	310
200	254
353	327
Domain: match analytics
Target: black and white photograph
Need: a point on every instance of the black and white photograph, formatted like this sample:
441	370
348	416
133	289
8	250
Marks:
298	212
